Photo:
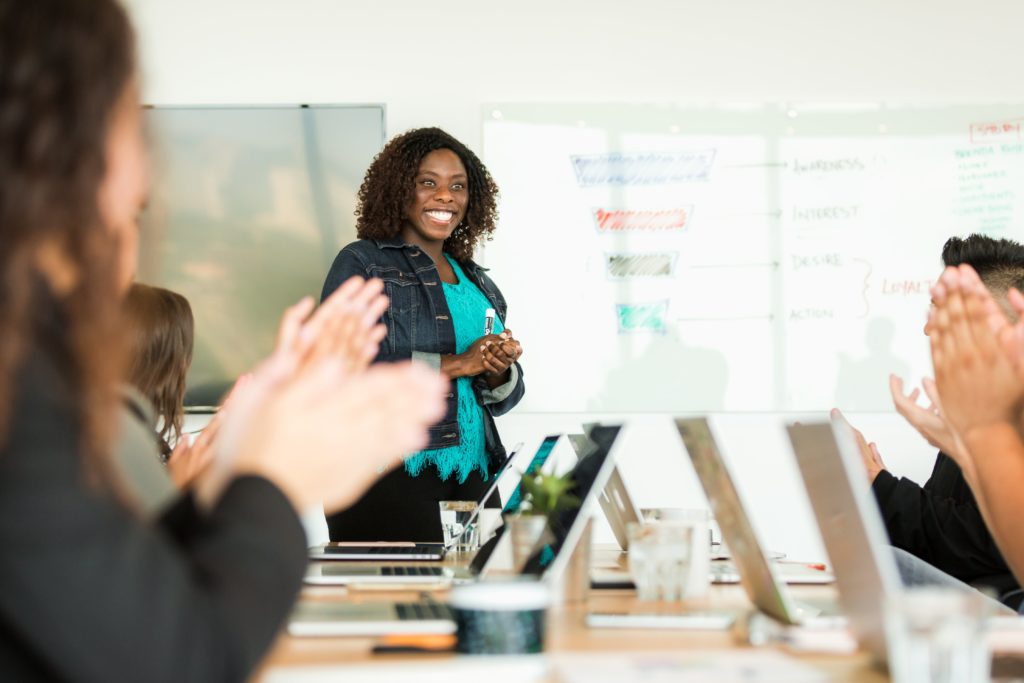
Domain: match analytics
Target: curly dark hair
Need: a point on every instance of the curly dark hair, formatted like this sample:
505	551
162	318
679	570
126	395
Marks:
388	188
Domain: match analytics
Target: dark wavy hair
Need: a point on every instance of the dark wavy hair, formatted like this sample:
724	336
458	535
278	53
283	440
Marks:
389	184
999	262
65	66
160	342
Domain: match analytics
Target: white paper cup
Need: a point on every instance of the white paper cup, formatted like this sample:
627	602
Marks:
500	617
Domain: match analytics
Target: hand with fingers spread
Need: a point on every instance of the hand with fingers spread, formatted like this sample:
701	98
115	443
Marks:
345	326
929	422
973	349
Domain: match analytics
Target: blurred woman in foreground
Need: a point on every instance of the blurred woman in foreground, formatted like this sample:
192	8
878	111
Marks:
88	590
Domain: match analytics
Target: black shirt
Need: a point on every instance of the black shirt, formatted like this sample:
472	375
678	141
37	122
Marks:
89	591
941	524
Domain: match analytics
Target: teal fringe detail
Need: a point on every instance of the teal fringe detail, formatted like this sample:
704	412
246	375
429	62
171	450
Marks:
467	305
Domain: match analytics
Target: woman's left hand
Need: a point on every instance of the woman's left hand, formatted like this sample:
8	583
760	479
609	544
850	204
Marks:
499	356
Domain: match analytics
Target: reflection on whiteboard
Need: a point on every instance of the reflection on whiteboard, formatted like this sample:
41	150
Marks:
737	257
250	206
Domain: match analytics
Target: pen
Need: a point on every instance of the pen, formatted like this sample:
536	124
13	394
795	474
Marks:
816	565
488	321
415	643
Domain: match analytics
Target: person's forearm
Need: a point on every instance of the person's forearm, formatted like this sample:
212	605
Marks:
455	366
997	475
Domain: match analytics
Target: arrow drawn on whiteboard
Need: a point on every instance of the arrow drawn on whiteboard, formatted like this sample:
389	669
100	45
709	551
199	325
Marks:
702	266
867	286
727	318
767	164
706	218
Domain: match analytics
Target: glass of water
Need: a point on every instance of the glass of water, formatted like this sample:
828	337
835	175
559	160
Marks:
660	559
938	635
459	535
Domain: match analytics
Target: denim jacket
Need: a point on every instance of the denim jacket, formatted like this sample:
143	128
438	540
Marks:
420	327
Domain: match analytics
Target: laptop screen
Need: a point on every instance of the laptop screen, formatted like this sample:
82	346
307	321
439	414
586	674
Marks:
756	572
589	477
539	458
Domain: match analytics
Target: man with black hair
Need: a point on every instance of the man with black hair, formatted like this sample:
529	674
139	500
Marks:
940	522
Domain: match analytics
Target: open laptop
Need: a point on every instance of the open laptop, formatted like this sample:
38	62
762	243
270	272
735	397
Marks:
616	503
757	573
851	526
333	618
401	552
337	572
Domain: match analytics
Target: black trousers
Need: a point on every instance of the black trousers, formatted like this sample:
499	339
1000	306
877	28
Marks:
401	507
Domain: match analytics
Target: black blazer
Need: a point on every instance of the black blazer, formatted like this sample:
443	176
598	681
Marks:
91	592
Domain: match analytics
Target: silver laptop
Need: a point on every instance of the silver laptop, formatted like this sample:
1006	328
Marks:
338	572
334	618
757	573
616	503
851	526
399	552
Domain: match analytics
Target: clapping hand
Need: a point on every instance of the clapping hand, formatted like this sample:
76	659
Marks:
190	460
345	326
314	419
977	354
929	422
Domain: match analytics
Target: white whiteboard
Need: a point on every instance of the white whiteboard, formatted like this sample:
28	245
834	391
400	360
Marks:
659	258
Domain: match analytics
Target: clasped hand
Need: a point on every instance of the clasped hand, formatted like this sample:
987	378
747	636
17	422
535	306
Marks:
492	355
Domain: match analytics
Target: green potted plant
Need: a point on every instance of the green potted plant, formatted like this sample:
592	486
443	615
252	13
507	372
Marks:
548	495
545	496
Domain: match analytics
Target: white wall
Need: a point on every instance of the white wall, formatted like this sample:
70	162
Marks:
436	63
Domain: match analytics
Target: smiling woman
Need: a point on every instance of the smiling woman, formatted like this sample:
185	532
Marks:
425	204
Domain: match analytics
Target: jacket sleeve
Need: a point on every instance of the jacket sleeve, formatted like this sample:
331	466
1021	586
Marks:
94	593
504	398
346	264
943	531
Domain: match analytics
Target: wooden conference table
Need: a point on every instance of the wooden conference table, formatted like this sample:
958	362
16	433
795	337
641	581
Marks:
295	658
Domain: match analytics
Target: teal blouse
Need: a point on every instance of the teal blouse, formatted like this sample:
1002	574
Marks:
468	306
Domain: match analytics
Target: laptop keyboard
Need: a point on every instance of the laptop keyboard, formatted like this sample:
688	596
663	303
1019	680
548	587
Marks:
393	550
424	610
411	571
